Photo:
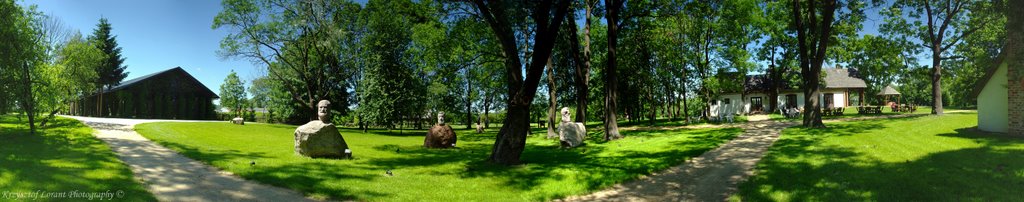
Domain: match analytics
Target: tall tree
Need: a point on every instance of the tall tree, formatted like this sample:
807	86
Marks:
777	49
939	25
511	139
391	91
611	126
581	59
232	93
71	76
309	47
260	89
23	52
111	71
552	100
813	34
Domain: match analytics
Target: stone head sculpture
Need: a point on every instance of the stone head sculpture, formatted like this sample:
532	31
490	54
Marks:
323	111
565	115
440	118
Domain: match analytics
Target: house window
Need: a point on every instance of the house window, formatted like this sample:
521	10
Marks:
714	102
828	100
727	101
791	101
756	104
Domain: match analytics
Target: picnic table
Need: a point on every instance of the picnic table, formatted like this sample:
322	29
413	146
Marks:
904	108
869	110
833	111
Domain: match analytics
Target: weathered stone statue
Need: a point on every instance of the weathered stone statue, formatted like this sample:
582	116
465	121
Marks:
238	120
320	138
440	135
323	112
440	118
570	134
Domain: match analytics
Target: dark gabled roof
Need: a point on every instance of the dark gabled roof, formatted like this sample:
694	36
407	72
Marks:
989	72
834	78
129	83
761	83
179	70
843	78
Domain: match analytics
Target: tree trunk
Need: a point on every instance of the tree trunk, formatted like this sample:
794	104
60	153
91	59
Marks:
703	72
582	63
28	103
773	78
511	139
686	109
611	127
469	102
487	111
810	65
552	100
48	117
652	111
936	78
507	148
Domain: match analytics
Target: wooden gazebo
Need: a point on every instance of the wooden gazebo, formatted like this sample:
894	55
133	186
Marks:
890	91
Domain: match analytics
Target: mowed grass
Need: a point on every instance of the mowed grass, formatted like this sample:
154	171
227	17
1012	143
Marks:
421	174
928	158
64	158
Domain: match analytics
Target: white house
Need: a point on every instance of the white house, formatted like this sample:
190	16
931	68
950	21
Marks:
839	84
992	92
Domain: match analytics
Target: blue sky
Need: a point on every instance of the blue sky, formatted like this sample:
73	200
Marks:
157	35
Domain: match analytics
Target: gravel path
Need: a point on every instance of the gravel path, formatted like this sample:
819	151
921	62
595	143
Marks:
712	176
173	177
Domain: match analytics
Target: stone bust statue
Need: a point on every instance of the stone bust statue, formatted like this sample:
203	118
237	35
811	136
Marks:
565	115
323	112
440	118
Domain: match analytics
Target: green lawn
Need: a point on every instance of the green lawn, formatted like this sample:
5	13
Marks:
925	158
431	174
63	158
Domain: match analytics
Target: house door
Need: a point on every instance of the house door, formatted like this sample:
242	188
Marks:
791	101
755	104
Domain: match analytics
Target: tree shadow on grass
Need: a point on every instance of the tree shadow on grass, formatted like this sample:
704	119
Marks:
597	165
307	176
798	169
61	158
312	177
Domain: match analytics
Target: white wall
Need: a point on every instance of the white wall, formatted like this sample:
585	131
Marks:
838	97
735	106
993	101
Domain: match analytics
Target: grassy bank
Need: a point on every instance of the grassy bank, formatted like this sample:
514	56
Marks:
64	158
930	158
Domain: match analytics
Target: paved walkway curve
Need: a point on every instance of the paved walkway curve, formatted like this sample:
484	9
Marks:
712	176
173	177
